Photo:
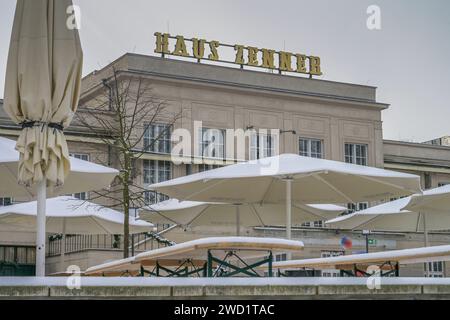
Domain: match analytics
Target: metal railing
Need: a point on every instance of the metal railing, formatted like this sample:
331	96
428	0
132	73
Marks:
78	243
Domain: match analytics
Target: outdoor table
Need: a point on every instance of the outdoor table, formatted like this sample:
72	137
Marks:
208	257
386	262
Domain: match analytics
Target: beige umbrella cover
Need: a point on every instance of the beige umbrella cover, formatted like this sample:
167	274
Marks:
43	79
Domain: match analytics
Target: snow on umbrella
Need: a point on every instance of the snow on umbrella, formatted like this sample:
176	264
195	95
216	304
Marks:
84	175
67	215
291	179
82	217
416	213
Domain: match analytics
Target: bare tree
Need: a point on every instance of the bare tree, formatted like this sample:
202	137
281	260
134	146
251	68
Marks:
119	116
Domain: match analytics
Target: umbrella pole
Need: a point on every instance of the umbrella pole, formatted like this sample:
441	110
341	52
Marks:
288	208
40	228
288	212
63	246
238	222
425	235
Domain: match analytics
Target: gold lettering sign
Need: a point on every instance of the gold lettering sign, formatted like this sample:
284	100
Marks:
202	49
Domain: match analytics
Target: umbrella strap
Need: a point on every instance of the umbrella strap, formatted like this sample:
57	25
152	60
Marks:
53	125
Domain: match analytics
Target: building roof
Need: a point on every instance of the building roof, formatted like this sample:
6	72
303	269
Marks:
416	156
231	77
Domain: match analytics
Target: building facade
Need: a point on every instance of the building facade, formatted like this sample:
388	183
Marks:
316	118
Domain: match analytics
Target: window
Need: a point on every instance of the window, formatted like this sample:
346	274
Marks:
280	257
310	147
356	153
15	254
313	224
81	156
353	207
80	195
212	143
188	169
331	273
156	171
435	269
85	157
206	167
6	201
157	138
262	145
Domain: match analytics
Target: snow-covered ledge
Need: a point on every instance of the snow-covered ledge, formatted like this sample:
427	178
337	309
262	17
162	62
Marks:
157	288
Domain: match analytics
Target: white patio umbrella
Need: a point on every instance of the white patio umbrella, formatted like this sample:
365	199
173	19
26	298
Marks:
84	175
67	215
416	213
193	213
42	88
289	178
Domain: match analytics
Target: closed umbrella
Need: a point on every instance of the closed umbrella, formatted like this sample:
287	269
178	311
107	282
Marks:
67	215
42	88
289	178
193	213
84	175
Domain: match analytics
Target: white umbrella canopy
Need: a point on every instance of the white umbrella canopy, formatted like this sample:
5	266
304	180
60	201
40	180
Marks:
84	175
434	201
290	178
67	215
388	216
70	216
313	181
416	213
193	213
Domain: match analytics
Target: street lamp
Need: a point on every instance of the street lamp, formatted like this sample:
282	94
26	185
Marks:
366	233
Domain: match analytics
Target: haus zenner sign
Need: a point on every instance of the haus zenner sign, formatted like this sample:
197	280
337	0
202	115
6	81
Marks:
201	49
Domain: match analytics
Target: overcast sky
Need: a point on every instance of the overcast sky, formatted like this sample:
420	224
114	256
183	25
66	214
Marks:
408	59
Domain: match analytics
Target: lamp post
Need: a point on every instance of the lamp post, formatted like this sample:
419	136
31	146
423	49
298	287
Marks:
366	234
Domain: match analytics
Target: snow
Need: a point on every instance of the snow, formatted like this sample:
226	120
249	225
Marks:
435	191
80	217
211	242
10	154
200	246
328	207
284	165
424	203
69	207
402	256
78	165
391	207
159	281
